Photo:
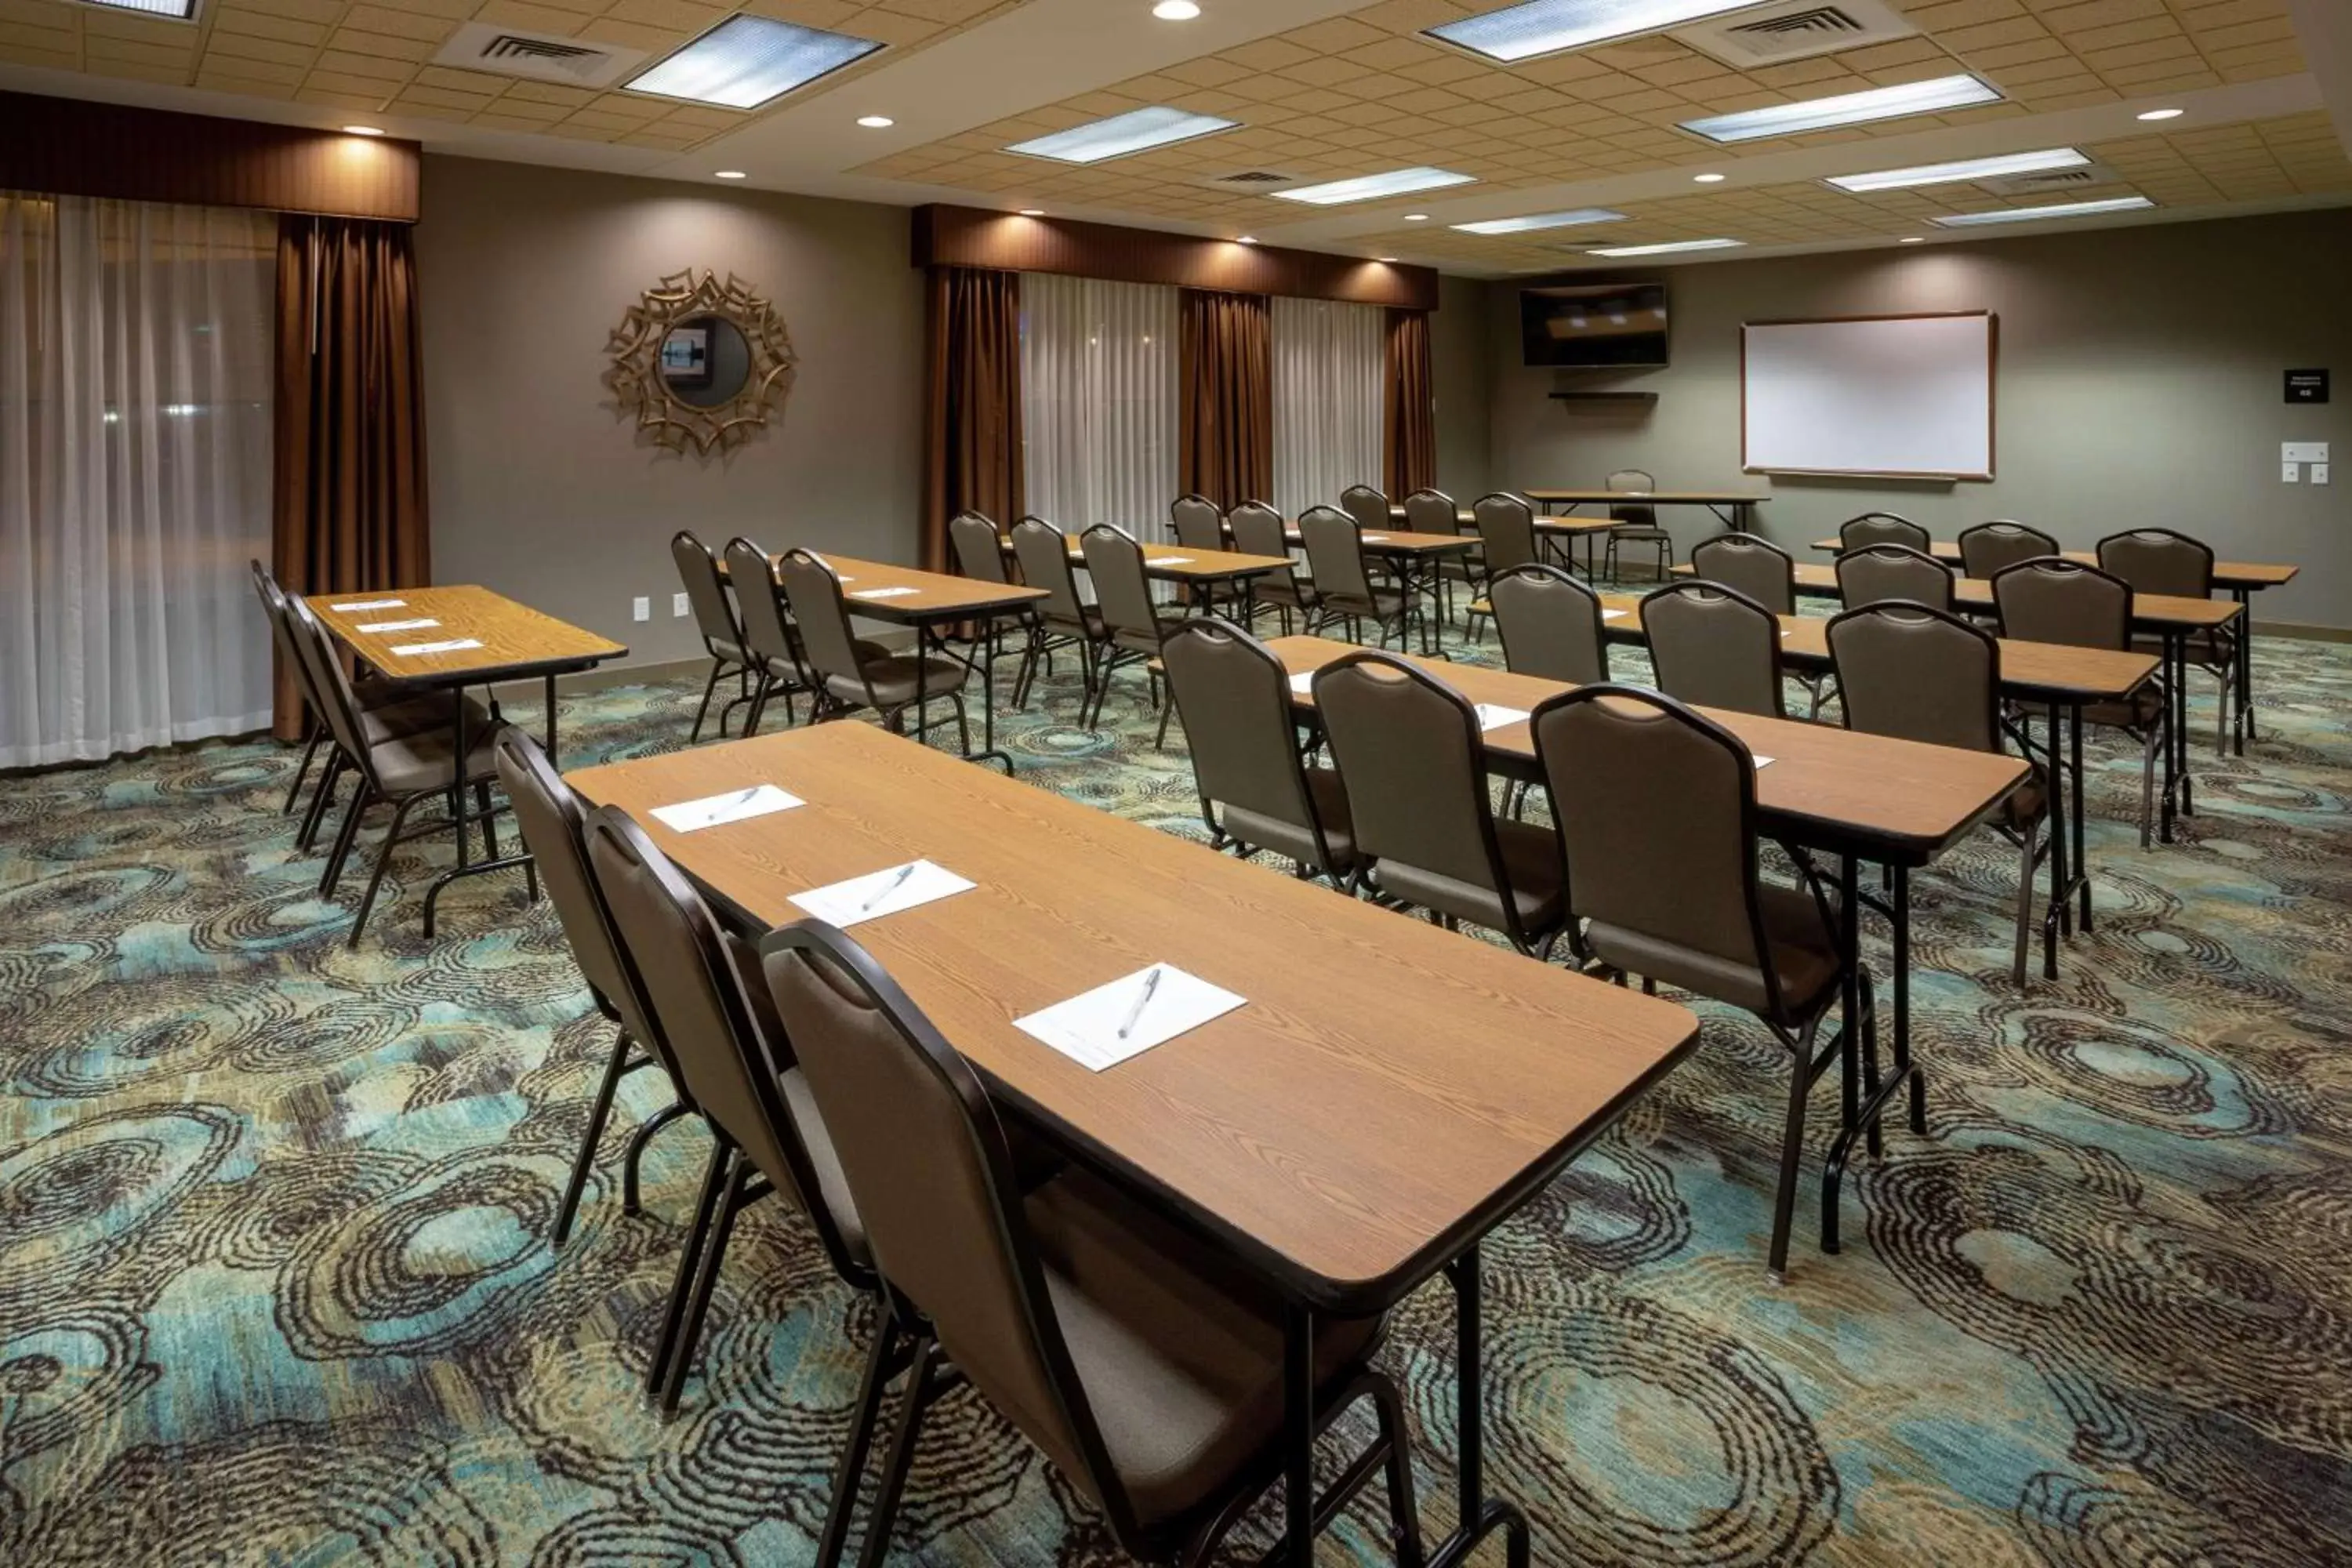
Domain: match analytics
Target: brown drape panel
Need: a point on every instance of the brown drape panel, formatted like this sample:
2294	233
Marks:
1408	427
1225	390
350	493
971	403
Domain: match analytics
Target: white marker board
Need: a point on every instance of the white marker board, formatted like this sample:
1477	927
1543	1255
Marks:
1902	396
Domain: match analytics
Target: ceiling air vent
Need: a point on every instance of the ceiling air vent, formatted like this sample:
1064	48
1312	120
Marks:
2050	180
1796	30
1253	178
539	56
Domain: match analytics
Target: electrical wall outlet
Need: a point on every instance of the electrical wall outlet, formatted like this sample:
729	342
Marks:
2290	473
678	605
2303	451
2318	473
641	609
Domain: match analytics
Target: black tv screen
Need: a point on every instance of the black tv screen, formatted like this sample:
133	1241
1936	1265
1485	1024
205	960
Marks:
1594	325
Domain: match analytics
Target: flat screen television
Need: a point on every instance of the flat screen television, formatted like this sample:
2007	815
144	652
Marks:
1598	326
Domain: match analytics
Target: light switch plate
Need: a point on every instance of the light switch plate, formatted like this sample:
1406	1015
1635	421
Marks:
2289	473
2318	473
2303	451
641	608
677	604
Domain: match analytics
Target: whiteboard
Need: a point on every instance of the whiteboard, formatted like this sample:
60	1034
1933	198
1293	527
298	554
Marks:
1908	397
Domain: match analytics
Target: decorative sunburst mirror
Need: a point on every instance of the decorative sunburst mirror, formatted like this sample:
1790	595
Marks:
700	364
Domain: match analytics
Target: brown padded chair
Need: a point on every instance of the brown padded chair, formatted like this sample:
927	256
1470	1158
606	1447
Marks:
1145	1364
1369	506
1989	548
2161	560
1344	585
1881	528
1878	573
1132	626
1505	526
1715	647
1198	525
1656	813
1236	699
1757	568
847	674
1062	619
736	1070
1550	624
555	832
1920	673
2051	599
1258	530
1433	512
769	638
979	555
1637	523
1413	760
716	620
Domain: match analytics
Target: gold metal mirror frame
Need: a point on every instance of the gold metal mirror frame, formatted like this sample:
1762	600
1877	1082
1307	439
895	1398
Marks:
635	377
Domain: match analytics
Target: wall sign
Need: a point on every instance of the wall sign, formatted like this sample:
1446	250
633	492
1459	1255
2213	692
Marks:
2306	386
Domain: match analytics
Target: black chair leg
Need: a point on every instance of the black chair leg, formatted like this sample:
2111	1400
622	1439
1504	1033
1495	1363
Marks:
322	798
331	877
383	864
1792	1149
709	687
902	1455
309	750
489	820
872	1389
1404	1513
599	1111
713	1189
635	1155
706	1280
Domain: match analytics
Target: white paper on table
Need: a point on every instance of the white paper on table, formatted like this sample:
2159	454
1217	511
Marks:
1493	716
1086	1028
1762	761
736	805
368	605
1612	614
1375	539
454	645
1303	684
1173	561
417	625
879	893
884	593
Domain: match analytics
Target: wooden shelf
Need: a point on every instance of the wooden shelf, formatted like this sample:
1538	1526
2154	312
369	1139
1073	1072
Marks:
1645	399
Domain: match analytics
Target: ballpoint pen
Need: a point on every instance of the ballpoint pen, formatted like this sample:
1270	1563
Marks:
1142	1000
894	883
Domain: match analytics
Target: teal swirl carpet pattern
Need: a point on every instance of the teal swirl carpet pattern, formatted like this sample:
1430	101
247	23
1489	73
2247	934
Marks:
275	1287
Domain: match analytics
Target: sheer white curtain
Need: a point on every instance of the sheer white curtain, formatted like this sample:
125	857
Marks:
1329	360
135	390
1098	402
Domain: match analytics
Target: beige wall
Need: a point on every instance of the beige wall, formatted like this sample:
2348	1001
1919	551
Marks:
540	489
2140	382
1461	367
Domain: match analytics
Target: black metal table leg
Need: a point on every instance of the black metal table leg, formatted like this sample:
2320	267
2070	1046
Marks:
2056	919
2179	737
2078	859
1298	1434
1481	1516
2245	663
552	752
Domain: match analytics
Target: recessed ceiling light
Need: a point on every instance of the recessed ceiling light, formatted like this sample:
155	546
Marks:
1540	220
1708	179
745	61
1032	212
1369	187
876	121
729	175
1913	239
1547	26
1134	131
1245	239
1385	260
1847	108
1667	249
178	10
1175	10
2063	209
1965	169
363	130
2164	114
1416	217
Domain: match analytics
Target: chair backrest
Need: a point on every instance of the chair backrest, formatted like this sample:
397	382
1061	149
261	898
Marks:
1631	479
1368	506
1234	697
1257	530
1334	552
1506	524
1881	528
2051	599
978	550
694	982
1044	557
1408	750
1877	573
767	635
928	1167
697	569
1198	523
336	707
1550	624
281	632
1918	674
1122	587
1761	570
1715	647
1656	808
2159	561
1431	512
1989	547
813	589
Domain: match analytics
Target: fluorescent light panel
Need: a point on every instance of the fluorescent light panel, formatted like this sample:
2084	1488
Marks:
1668	249
1137	130
1540	220
1368	187
1547	26
1965	169
745	61
2063	209
178	10
1847	108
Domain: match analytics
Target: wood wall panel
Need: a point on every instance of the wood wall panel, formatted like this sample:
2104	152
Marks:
973	236
63	146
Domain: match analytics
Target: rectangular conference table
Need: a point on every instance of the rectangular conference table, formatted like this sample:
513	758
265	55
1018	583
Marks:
1742	504
494	638
2055	678
1415	558
1858	796
1390	1092
2243	579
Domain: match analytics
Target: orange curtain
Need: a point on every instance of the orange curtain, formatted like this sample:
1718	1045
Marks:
972	408
1408	427
1225	392
349	492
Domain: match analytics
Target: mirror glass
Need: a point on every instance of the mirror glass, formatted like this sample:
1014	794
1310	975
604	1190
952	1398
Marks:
705	361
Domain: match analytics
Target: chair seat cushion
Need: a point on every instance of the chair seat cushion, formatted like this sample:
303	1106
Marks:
1385	602
407	764
1260	831
386	716
894	678
1276	588
1803	948
1178	1347
1531	860
2138	710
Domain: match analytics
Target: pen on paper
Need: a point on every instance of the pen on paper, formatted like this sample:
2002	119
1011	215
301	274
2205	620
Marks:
1142	1000
743	797
894	883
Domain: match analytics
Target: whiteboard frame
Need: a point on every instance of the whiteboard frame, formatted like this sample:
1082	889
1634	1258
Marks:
1992	393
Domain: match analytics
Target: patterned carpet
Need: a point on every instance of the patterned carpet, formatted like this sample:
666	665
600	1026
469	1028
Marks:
275	1287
